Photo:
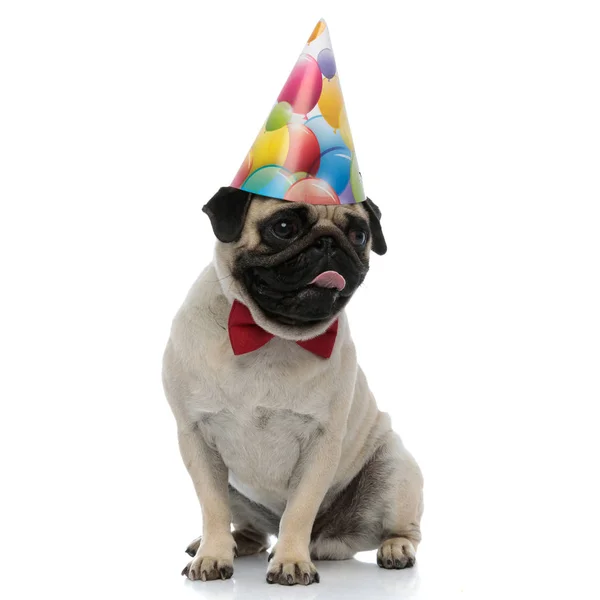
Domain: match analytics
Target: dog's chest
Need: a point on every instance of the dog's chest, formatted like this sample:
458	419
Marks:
263	411
261	446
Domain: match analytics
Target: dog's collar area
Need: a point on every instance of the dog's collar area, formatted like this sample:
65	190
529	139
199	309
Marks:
246	336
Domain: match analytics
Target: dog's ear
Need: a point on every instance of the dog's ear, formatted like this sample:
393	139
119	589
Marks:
227	212
378	245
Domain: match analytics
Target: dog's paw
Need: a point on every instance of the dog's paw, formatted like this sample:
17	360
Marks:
208	568
287	571
193	546
396	553
213	559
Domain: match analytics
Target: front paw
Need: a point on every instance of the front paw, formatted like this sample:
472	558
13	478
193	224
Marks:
291	570
213	559
208	568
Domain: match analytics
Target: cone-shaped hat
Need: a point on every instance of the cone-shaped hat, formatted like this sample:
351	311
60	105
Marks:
304	151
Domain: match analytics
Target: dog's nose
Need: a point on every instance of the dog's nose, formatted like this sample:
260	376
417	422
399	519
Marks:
325	243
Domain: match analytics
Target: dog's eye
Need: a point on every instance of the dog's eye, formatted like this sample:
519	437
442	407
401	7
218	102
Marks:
357	237
285	229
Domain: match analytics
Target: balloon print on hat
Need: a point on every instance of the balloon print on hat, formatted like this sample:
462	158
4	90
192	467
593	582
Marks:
280	116
300	175
335	168
243	171
303	87
293	148
331	101
354	190
270	148
304	150
356	181
313	191
317	31
326	62
347	197
271	180
327	137
345	129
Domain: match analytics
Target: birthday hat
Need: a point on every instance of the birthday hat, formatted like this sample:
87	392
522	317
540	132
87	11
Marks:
304	151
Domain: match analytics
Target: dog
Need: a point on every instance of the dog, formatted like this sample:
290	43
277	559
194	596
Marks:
280	440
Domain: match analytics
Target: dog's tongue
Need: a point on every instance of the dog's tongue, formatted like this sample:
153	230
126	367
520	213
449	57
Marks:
329	279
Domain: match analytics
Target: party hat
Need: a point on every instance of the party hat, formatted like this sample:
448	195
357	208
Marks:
304	151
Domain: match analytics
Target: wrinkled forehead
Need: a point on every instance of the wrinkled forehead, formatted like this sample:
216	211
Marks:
338	214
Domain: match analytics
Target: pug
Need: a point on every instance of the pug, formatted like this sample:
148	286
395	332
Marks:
276	423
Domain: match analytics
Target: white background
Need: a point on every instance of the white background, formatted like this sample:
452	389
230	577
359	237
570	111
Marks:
477	126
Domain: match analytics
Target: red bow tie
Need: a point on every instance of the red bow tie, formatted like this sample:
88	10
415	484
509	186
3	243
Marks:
245	335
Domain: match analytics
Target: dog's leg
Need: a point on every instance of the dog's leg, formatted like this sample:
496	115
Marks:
253	523
290	561
214	556
332	548
381	507
401	523
247	542
250	542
